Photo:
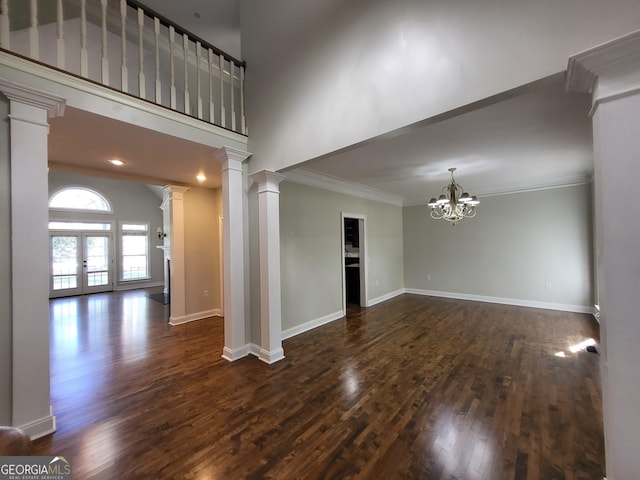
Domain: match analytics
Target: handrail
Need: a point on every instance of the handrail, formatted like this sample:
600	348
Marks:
166	22
123	45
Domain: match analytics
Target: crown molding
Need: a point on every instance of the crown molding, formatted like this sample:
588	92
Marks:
333	184
608	71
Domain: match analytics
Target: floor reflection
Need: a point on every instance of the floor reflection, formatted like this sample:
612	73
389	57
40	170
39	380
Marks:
89	333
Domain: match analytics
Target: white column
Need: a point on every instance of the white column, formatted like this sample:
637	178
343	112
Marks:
31	408
233	198
270	300
177	279
616	123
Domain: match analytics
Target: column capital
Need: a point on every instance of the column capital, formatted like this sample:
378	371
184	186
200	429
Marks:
268	180
53	104
231	158
608	71
173	192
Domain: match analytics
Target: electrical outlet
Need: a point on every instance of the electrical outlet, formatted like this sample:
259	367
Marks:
547	285
205	294
428	277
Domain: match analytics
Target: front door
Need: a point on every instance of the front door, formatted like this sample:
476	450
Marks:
80	263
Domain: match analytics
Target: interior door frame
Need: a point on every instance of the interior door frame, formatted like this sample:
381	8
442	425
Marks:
362	234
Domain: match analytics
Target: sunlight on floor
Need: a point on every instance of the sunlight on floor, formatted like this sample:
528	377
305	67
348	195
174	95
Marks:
577	347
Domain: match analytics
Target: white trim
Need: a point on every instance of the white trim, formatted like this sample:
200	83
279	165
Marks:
310	325
74	89
254	350
385	297
127	286
192	317
333	184
505	301
272	356
237	353
41	427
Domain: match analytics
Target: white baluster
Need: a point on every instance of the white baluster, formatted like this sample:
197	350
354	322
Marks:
84	56
4	25
156	32
232	74
172	46
232	66
242	117
212	111
60	37
34	50
223	120
141	80
105	60
124	73
198	60
185	46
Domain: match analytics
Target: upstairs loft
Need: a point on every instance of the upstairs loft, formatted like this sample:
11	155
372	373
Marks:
122	45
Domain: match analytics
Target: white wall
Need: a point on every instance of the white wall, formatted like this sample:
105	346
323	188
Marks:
311	250
6	363
510	250
131	202
325	75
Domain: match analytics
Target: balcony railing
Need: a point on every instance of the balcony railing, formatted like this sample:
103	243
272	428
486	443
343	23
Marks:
123	45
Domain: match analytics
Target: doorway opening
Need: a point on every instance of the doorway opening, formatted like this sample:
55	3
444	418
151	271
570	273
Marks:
354	260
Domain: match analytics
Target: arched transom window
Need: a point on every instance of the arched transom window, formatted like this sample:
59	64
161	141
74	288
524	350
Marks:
79	198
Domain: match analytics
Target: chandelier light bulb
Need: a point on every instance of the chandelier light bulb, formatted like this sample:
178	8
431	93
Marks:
454	203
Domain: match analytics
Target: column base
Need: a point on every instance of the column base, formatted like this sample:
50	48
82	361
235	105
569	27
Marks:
271	357
233	354
41	427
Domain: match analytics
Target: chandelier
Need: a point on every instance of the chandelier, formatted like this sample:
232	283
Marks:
454	204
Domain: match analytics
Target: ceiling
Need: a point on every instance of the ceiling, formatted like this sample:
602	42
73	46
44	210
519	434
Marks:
535	137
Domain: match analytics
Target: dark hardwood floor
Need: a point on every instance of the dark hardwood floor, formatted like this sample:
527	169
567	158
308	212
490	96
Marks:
416	387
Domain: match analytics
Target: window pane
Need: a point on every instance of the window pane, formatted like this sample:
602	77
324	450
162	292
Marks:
79	199
79	226
134	256
134	227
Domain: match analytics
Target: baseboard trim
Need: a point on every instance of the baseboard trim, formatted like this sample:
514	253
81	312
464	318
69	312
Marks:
272	356
192	317
233	354
41	427
505	301
385	297
254	350
305	327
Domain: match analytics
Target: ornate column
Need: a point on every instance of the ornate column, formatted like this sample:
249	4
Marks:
233	244
175	199
270	296
611	73
29	109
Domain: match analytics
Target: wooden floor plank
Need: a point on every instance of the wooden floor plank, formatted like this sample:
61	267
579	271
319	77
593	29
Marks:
416	387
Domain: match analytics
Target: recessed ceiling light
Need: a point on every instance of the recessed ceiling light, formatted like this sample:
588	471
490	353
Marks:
116	162
201	177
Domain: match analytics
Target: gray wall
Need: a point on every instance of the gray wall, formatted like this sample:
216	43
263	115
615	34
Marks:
5	267
131	202
515	245
311	250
